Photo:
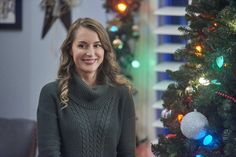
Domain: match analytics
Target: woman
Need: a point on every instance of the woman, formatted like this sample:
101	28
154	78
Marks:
88	111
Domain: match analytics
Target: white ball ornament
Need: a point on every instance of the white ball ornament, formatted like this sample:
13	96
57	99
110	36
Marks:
193	125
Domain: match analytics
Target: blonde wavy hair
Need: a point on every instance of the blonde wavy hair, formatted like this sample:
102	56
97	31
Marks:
108	71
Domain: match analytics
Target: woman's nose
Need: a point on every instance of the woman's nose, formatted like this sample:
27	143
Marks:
90	51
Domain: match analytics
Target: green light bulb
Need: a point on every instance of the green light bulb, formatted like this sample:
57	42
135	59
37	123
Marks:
135	64
220	61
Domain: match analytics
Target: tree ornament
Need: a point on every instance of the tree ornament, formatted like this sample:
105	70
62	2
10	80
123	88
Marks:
135	29
193	125
166	113
188	100
169	136
213	27
117	43
189	90
226	96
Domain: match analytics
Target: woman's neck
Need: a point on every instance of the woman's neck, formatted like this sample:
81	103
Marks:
89	78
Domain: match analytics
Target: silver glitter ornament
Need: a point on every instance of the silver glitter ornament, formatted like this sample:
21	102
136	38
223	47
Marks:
193	125
165	113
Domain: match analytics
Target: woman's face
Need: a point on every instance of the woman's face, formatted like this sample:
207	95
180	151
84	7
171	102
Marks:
87	51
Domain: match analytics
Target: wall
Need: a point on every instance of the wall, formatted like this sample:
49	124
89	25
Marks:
27	62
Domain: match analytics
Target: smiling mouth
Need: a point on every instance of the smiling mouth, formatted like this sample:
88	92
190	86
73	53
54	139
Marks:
89	61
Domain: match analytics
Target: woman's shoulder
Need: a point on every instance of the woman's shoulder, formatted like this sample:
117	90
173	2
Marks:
122	90
50	87
118	87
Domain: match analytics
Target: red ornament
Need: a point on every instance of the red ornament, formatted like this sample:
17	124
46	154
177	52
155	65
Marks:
213	27
169	136
188	100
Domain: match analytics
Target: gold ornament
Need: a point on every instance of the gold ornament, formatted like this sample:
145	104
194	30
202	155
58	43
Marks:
117	43
189	90
135	28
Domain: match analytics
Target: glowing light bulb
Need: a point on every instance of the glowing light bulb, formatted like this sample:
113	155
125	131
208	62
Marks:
220	61
204	81
180	117
198	48
207	140
121	7
216	82
135	64
114	28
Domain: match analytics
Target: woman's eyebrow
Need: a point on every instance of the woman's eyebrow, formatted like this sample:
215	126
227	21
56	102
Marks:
81	41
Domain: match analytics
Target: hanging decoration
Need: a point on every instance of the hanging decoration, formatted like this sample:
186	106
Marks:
55	9
226	96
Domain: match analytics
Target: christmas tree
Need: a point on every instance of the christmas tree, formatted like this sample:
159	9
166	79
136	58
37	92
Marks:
123	30
200	107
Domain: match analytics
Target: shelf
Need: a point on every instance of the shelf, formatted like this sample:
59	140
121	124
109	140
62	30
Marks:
157	124
168	30
158	105
170	11
155	141
168	48
173	66
162	85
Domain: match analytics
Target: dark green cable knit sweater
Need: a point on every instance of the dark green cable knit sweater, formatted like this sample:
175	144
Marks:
98	122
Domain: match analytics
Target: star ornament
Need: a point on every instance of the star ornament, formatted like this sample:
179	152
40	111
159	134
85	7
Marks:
55	9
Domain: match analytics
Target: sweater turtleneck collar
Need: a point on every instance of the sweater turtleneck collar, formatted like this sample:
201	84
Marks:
79	90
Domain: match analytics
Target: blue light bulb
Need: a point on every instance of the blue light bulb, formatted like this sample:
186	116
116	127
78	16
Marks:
114	28
207	140
199	155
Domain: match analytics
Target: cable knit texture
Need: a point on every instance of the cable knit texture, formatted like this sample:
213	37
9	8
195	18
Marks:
98	122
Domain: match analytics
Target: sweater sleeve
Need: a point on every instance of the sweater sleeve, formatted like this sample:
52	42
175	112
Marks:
126	146
47	121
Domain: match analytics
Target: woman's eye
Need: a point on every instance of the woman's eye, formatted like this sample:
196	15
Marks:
81	46
98	45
